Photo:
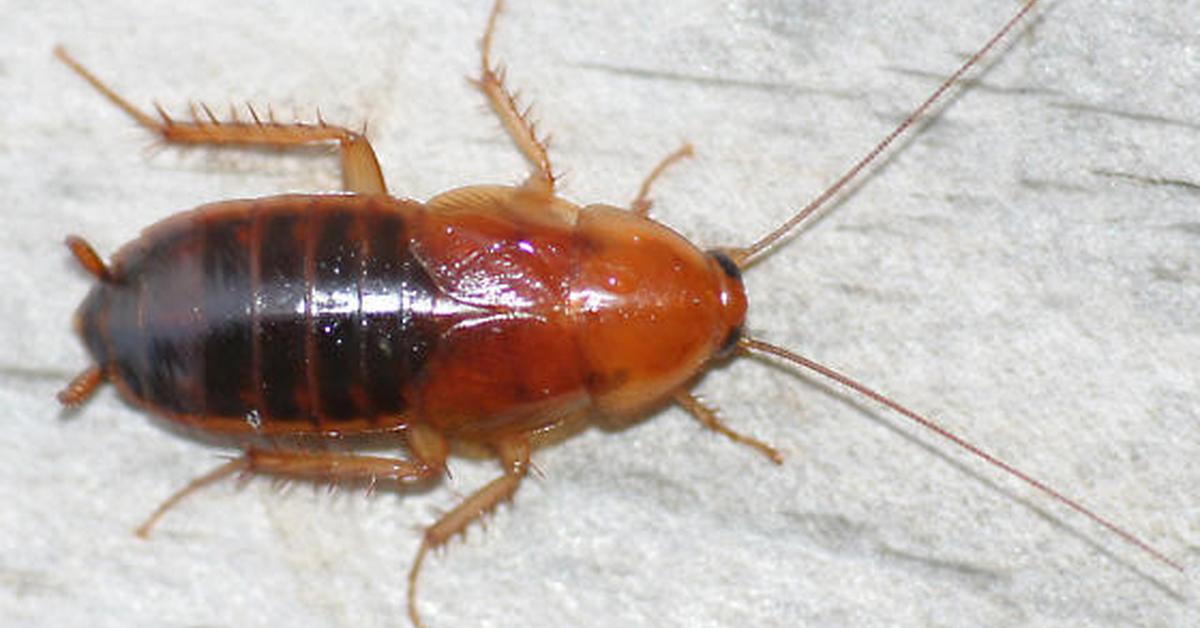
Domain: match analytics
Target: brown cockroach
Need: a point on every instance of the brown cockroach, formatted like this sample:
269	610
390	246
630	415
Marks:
738	257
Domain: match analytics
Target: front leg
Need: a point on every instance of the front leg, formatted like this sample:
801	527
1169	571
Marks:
641	203
708	418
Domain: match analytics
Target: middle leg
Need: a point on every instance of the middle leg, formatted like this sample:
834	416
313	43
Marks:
514	455
516	121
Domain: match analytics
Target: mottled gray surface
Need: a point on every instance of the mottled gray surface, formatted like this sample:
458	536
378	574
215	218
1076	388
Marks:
1026	270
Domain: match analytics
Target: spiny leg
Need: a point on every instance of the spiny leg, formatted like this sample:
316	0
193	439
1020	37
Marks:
515	120
709	418
642	203
428	447
236	465
360	168
514	455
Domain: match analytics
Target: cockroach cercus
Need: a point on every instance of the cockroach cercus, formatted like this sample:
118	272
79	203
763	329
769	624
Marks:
492	315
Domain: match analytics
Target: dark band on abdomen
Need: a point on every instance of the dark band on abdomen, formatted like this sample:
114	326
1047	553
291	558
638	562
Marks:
308	310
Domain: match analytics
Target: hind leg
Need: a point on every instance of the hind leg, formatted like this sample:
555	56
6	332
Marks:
428	447
360	168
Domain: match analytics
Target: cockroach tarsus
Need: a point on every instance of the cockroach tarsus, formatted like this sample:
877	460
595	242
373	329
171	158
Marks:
488	314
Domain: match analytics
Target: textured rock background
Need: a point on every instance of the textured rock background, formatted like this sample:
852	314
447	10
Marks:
1025	270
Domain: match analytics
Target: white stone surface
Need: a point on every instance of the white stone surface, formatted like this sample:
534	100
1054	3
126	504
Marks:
1025	270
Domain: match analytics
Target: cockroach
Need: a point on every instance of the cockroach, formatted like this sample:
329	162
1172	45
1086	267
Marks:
493	315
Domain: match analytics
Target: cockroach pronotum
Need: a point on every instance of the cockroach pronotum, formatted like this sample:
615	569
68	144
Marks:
493	315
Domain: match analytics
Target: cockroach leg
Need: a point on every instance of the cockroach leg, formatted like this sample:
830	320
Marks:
642	203
514	455
220	473
82	387
317	466
360	168
88	258
708	417
516	121
340	467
